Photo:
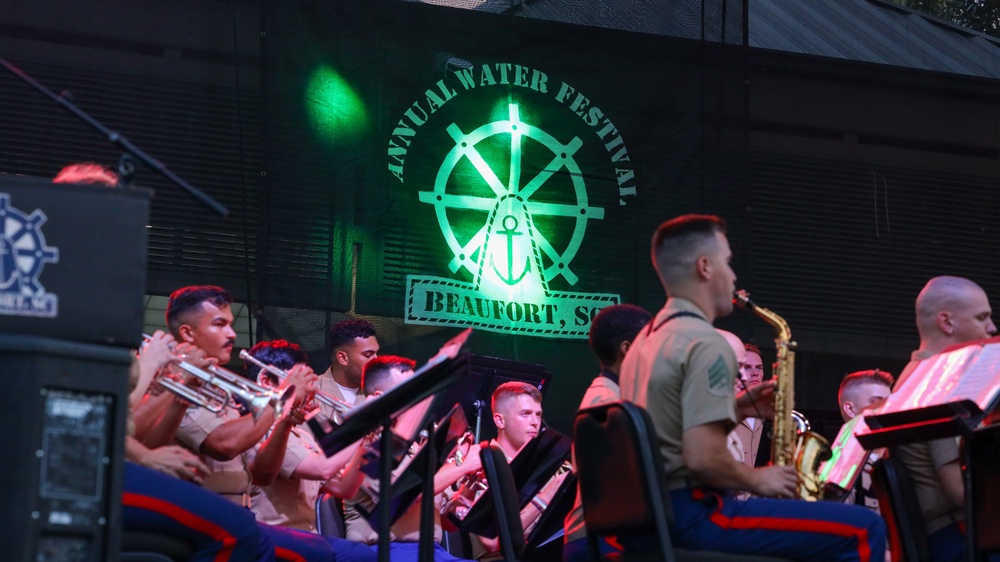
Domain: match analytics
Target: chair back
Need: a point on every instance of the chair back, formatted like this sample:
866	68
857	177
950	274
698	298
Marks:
503	494
620	472
897	500
329	517
984	473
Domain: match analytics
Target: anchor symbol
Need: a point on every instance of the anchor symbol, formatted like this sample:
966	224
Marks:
510	231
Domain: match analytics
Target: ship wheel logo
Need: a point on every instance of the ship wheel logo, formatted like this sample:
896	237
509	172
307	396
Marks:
508	248
23	255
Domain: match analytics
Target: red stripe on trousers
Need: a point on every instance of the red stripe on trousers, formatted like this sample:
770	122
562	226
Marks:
185	518
806	525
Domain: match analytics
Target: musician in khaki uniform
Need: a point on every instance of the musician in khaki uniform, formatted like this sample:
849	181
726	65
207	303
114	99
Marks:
352	345
681	370
286	494
750	429
201	316
949	310
859	391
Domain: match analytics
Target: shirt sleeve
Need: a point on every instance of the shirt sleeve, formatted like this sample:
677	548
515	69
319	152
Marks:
196	426
944	451
707	386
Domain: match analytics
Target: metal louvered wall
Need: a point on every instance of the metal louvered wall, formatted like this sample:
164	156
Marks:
174	95
200	133
845	247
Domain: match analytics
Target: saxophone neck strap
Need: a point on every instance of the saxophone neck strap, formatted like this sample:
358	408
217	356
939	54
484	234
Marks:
678	314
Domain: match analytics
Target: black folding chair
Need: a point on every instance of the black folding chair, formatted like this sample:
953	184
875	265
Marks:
329	517
897	500
983	474
621	477
503	493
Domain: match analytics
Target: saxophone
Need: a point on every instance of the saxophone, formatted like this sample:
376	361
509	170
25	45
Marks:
792	443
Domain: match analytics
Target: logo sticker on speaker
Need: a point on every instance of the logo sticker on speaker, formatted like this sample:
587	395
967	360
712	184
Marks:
23	255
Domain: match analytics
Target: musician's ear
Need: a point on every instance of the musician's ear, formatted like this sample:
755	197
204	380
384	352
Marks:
703	267
340	356
623	347
849	409
944	323
498	420
186	332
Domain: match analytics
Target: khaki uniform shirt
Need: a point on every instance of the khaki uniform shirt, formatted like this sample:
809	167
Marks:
289	501
231	479
682	372
923	461
328	386
749	439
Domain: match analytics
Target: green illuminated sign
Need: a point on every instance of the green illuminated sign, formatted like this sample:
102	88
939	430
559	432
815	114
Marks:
511	202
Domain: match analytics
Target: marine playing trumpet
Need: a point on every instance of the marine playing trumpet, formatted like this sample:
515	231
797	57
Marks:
221	387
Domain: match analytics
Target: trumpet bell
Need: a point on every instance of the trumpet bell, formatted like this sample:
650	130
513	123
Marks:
256	403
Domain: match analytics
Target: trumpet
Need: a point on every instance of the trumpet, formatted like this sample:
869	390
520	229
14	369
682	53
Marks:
210	398
240	390
457	457
339	407
222	387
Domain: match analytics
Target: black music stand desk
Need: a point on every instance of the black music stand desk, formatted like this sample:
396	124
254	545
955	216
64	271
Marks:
431	378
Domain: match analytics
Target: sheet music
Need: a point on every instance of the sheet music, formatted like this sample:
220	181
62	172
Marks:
971	372
981	382
927	383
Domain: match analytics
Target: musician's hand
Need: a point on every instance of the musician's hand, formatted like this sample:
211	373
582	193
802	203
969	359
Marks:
303	379
194	355
756	401
471	462
459	504
775	481
297	415
158	351
176	461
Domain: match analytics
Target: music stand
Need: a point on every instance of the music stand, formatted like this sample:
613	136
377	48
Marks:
406	486
440	371
533	466
947	395
483	375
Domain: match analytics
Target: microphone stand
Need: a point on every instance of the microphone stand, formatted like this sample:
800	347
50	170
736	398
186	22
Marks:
478	405
126	166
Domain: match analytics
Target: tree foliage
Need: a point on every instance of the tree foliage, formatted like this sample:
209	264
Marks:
980	15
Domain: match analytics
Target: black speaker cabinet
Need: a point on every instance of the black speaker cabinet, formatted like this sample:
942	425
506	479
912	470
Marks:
72	279
72	260
62	438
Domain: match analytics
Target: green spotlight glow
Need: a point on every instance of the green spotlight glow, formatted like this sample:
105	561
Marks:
335	110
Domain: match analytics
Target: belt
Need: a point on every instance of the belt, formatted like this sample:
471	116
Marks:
242	500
